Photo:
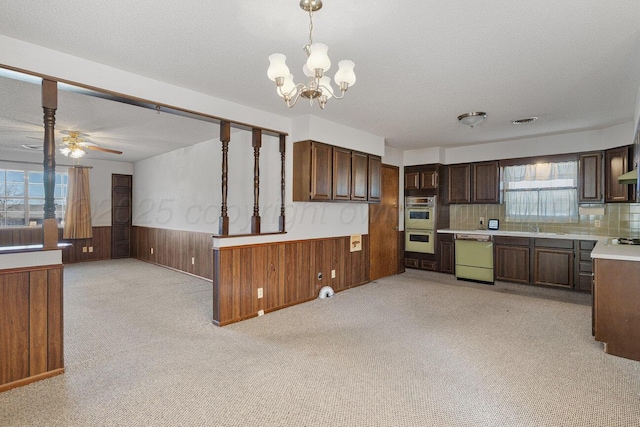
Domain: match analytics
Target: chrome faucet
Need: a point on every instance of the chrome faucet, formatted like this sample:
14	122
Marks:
535	228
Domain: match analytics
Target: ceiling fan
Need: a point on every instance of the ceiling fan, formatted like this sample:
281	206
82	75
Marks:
75	143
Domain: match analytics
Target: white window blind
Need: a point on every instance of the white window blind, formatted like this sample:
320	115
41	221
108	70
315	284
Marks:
541	193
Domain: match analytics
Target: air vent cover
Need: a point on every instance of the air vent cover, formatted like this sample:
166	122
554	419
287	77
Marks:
524	121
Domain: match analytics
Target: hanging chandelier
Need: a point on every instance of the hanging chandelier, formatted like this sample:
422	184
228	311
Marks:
318	85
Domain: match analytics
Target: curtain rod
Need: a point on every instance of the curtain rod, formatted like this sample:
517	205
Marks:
40	164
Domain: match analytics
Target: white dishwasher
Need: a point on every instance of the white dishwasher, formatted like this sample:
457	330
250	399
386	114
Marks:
474	257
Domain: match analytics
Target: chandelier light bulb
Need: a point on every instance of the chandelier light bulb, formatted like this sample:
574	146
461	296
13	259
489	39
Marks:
287	87
325	87
277	67
318	57
65	151
345	73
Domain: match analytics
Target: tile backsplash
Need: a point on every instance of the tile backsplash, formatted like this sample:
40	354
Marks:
619	220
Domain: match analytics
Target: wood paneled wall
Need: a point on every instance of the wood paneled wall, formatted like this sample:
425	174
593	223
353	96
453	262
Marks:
31	339
287	272
182	250
101	242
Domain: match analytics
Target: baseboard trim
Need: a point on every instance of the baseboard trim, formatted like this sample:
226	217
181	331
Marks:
32	379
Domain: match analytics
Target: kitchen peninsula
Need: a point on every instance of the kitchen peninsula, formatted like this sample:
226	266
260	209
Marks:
616	298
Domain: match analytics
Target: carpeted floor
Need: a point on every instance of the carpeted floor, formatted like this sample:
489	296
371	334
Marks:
417	349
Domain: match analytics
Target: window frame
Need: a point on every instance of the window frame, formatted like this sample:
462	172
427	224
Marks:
26	200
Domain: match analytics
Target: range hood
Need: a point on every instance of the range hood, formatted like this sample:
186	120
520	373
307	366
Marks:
629	177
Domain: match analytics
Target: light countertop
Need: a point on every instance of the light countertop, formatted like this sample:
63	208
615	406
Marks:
604	249
524	234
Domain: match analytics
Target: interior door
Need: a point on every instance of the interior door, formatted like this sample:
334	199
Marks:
121	215
383	227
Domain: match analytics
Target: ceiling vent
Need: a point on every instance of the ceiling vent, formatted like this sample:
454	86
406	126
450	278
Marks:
524	121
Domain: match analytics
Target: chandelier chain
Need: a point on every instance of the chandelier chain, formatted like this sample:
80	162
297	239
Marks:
310	30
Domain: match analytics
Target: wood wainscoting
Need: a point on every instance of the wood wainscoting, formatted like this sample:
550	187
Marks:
187	251
31	339
97	248
287	272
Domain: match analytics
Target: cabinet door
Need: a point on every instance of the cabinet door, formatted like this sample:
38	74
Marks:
616	162
429	180
590	178
459	185
512	263
412	180
553	267
321	170
341	174
375	178
359	166
447	253
486	182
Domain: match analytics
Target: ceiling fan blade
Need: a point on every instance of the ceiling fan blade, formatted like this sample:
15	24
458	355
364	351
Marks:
106	150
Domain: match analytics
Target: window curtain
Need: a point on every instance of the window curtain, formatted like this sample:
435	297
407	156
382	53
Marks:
545	192
77	217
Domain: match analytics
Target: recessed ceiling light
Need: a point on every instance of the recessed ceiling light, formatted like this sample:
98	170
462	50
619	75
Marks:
32	146
524	121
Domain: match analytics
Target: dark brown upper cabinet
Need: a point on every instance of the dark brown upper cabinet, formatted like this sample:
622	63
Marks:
590	178
359	176
460	183
341	174
616	163
322	172
312	171
486	182
375	178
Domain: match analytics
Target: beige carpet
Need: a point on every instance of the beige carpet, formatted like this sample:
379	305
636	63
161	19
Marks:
418	349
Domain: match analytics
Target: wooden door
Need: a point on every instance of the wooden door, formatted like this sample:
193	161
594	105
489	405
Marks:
383	227
121	215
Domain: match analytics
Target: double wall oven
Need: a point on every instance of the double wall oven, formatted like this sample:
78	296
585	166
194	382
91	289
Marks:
419	224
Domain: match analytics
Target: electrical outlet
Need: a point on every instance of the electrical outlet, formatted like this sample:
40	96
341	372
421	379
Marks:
260	312
333	274
84	249
320	275
260	293
481	220
91	249
151	251
193	260
597	223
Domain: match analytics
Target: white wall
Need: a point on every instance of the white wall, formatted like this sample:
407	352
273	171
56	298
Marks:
99	178
574	142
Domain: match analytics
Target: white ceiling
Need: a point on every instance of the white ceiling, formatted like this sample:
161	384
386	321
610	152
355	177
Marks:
573	63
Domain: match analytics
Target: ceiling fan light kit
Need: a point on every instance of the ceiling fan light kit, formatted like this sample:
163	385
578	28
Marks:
472	119
74	145
318	86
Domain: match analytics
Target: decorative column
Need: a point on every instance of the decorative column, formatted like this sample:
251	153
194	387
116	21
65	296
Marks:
256	143
49	106
225	137
283	144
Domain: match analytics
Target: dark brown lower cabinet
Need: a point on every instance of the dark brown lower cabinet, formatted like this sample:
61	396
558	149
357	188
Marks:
553	262
584	267
512	256
616	298
446	253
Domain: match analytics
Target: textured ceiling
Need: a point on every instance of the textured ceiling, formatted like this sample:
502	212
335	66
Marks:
573	63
